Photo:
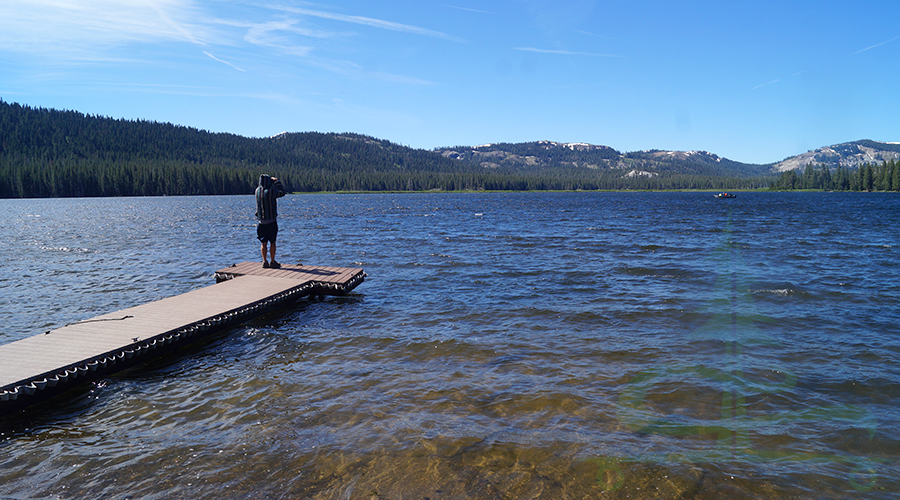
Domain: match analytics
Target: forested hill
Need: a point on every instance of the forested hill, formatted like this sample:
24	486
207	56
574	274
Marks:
50	153
530	156
66	153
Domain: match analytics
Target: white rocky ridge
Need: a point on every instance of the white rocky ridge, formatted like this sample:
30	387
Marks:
831	155
849	155
683	155
641	173
574	146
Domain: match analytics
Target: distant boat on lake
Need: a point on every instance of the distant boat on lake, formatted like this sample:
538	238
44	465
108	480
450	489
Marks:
724	195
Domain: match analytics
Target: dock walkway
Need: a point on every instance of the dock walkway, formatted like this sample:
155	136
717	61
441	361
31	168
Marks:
41	366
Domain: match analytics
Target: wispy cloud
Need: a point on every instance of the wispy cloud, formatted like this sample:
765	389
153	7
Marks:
57	27
207	91
73	33
563	52
588	33
352	70
466	9
214	58
275	34
798	73
369	21
767	83
178	27
407	80
152	85
876	45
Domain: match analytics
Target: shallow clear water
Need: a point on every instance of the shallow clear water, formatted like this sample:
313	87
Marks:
553	345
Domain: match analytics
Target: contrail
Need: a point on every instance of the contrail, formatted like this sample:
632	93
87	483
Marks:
214	58
876	45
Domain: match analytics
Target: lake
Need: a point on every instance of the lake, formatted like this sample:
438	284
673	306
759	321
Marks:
508	345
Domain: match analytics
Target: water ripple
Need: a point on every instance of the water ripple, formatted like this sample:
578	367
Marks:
553	345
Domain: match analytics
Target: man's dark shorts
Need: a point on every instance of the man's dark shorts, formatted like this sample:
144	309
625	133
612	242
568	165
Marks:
267	232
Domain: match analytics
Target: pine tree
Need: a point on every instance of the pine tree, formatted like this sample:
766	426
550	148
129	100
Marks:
895	175
866	178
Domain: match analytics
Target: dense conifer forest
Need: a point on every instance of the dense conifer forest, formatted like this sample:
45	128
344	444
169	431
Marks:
868	177
47	153
50	153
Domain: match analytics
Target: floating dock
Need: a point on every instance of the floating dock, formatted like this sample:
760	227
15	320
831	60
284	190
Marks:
42	366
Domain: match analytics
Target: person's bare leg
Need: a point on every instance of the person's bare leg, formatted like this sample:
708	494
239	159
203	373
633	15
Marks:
263	250
272	252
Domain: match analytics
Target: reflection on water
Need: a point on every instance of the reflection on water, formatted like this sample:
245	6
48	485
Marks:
504	346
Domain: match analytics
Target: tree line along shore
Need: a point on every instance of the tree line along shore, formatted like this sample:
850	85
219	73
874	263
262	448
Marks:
49	153
868	177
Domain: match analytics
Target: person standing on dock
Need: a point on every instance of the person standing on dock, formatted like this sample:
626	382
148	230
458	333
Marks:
268	191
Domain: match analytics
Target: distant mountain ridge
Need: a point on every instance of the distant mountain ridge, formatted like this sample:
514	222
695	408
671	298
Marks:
544	154
848	155
531	156
650	163
49	153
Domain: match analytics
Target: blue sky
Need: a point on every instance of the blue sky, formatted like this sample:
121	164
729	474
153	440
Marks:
751	81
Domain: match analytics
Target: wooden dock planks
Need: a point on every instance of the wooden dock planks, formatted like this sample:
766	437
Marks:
120	339
332	278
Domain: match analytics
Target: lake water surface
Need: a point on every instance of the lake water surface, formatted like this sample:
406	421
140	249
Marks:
531	345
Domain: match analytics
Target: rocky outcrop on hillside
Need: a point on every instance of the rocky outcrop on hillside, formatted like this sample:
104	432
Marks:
530	156
848	155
